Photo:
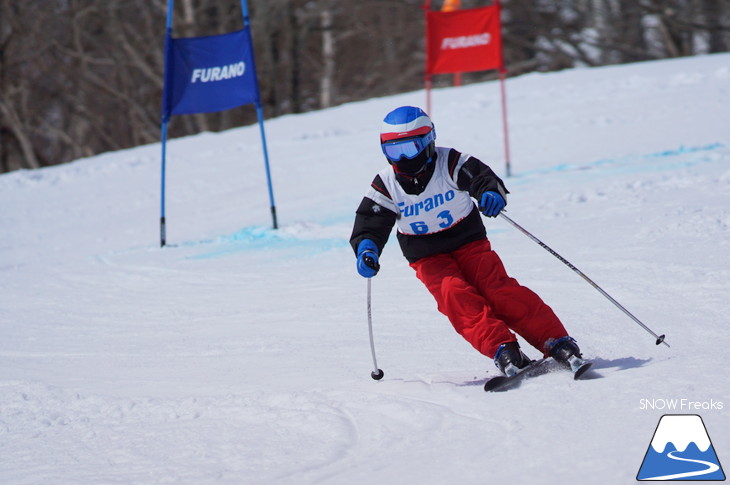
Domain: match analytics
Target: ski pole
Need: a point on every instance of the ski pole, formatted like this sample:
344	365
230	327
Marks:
377	374
659	338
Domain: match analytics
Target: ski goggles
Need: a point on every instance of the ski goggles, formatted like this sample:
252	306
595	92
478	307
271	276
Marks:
408	147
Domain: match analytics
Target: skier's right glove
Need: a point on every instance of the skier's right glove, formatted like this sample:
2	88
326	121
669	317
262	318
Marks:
367	259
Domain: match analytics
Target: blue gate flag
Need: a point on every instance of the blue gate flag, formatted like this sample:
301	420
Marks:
204	75
207	74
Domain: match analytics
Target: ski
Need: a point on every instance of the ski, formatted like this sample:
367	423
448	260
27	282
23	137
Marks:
578	367
504	383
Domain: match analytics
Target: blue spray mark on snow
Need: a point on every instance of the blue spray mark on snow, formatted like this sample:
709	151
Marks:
662	161
257	238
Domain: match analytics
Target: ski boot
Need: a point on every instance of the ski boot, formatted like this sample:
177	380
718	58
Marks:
510	360
566	351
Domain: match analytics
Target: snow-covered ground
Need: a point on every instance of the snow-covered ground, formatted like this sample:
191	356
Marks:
240	354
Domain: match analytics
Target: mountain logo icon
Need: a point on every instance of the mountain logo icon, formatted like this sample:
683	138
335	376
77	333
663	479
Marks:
681	450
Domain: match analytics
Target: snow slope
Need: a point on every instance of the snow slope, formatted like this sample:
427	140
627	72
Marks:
240	354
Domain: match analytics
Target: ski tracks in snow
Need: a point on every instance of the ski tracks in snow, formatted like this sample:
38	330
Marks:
54	433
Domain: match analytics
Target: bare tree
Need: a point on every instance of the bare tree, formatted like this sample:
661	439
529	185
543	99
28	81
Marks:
328	56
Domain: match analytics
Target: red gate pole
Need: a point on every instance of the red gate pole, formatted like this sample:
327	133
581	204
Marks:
427	74
503	93
505	127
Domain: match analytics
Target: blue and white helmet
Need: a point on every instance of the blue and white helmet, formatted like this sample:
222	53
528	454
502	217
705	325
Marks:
406	133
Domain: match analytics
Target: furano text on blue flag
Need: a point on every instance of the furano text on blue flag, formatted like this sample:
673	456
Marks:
218	73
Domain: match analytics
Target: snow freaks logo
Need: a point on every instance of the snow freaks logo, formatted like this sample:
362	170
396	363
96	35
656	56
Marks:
681	450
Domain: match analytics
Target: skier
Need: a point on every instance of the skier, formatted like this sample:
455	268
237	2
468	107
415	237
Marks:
427	191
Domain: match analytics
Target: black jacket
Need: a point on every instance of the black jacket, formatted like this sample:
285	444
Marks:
375	222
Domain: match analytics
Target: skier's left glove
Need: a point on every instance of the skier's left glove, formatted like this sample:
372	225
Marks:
492	204
367	258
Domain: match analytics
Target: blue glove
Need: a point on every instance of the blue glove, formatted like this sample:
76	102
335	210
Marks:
492	204
367	258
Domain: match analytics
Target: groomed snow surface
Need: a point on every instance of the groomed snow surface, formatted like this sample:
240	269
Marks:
240	355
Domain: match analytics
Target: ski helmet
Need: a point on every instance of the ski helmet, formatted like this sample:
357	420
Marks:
407	138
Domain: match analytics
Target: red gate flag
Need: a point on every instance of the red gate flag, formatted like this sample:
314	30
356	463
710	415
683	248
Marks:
464	40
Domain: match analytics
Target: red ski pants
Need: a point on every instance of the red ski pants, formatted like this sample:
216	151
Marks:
483	304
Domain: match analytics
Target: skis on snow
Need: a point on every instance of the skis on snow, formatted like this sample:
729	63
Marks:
578	367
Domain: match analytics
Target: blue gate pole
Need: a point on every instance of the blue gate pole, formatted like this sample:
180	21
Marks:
165	121
163	235
260	114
